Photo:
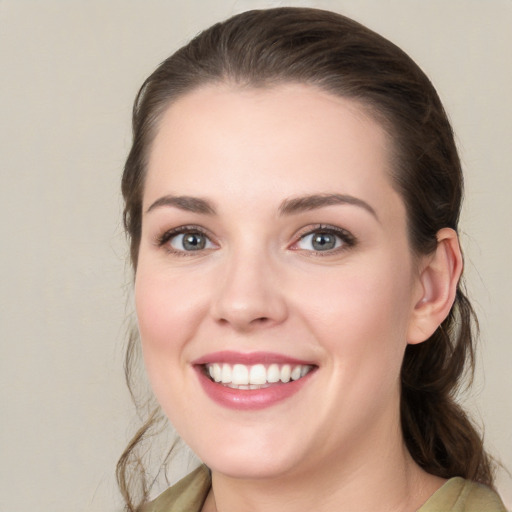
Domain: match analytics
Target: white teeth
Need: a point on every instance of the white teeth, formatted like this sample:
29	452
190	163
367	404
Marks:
217	373
286	373
295	375
273	373
256	376
225	375
240	375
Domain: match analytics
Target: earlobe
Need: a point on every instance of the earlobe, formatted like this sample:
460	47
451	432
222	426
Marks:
438	285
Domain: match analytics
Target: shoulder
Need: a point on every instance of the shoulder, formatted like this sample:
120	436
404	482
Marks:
188	494
459	495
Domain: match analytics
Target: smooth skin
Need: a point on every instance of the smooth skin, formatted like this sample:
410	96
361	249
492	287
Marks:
226	264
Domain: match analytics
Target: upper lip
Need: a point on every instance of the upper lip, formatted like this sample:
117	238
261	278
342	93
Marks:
248	358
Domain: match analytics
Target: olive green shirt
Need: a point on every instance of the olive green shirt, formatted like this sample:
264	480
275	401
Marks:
456	495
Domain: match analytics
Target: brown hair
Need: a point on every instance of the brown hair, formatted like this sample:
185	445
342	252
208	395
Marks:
338	55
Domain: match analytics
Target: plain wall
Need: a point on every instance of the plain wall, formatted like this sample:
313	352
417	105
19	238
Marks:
69	73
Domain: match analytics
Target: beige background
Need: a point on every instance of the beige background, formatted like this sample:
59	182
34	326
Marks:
69	72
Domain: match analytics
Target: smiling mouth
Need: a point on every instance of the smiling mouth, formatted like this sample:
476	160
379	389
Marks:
257	376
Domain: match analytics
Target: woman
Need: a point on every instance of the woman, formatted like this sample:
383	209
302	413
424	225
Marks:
292	198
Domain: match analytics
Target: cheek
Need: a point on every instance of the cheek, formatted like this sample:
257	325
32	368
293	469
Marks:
167	312
361	318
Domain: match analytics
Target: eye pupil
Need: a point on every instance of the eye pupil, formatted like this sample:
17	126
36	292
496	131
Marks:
323	241
194	242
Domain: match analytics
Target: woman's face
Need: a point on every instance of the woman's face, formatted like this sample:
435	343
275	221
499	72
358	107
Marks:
274	257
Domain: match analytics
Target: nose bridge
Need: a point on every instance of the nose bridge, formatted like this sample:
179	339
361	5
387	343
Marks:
248	293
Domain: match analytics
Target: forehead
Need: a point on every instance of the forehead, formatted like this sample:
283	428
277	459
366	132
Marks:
289	139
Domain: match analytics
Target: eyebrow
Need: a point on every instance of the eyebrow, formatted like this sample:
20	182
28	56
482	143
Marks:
187	203
315	201
288	206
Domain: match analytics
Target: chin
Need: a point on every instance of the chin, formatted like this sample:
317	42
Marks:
245	462
261	469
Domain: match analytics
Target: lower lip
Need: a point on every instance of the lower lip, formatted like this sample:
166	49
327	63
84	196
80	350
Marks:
250	399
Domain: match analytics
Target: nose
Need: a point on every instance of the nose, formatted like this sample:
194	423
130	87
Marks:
249	295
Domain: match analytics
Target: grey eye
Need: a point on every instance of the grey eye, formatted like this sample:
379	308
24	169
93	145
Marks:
191	241
319	242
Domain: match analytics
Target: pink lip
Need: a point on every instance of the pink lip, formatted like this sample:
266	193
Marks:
251	358
249	399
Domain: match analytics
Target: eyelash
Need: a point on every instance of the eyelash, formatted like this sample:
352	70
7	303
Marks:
347	239
164	239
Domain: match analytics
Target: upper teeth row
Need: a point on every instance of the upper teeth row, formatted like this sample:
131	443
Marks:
240	374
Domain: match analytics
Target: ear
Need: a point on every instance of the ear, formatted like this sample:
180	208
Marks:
438	280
